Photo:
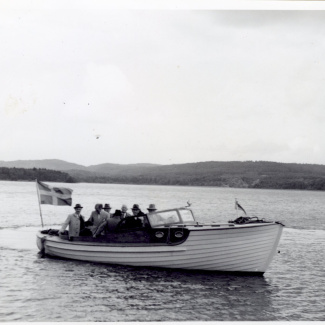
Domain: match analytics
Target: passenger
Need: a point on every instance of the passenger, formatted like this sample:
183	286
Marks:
137	211
102	228
97	217
152	208
107	208
155	219
124	212
116	218
76	223
113	220
137	220
121	214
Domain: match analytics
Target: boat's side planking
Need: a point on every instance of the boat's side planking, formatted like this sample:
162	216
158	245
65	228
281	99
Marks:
240	248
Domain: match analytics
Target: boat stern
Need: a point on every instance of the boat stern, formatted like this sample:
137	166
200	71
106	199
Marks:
40	241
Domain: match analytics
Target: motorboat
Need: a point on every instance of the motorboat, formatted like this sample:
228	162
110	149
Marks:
174	239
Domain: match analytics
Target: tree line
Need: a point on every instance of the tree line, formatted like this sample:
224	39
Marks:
271	178
42	174
267	182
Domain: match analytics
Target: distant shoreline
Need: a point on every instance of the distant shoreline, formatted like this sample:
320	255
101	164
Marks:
249	174
200	186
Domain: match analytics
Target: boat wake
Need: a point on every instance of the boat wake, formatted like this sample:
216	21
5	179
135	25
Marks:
18	238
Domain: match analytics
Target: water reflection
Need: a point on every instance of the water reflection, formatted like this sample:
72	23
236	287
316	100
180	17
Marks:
135	294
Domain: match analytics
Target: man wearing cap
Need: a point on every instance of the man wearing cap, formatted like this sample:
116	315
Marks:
75	221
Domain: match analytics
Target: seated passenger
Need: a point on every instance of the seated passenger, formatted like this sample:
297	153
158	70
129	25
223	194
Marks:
107	208
113	220
156	219
121	214
137	220
76	223
152	208
124	212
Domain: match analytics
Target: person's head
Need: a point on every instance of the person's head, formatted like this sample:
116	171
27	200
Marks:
124	208
78	208
107	207
135	209
98	207
152	208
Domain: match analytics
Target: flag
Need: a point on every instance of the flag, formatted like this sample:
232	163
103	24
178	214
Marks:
53	195
238	206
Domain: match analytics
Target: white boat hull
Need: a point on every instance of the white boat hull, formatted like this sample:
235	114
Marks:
240	248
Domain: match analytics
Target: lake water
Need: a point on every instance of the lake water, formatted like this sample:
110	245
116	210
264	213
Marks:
53	290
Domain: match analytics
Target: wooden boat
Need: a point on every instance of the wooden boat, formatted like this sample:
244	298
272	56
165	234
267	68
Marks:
174	239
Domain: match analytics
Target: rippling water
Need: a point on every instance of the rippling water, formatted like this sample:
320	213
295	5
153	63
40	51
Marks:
48	289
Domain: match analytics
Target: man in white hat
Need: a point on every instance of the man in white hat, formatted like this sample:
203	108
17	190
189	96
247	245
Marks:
152	208
155	219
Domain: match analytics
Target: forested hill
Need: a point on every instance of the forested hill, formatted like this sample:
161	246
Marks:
54	164
22	174
247	174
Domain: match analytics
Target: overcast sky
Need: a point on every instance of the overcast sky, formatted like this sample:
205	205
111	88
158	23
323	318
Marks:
95	85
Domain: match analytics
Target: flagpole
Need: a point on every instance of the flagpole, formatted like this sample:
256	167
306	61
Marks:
236	207
39	203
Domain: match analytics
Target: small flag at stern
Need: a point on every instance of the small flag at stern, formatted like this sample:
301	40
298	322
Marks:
53	195
238	206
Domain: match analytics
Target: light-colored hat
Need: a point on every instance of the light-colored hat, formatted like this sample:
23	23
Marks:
152	207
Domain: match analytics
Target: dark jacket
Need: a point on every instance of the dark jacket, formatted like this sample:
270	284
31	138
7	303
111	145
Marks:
135	221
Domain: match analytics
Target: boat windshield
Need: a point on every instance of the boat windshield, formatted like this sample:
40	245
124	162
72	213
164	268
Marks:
170	217
187	216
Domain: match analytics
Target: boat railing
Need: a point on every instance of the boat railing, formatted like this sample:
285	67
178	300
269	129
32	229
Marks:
198	225
214	225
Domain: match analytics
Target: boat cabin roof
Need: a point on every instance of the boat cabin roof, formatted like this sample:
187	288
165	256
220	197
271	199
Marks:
171	217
